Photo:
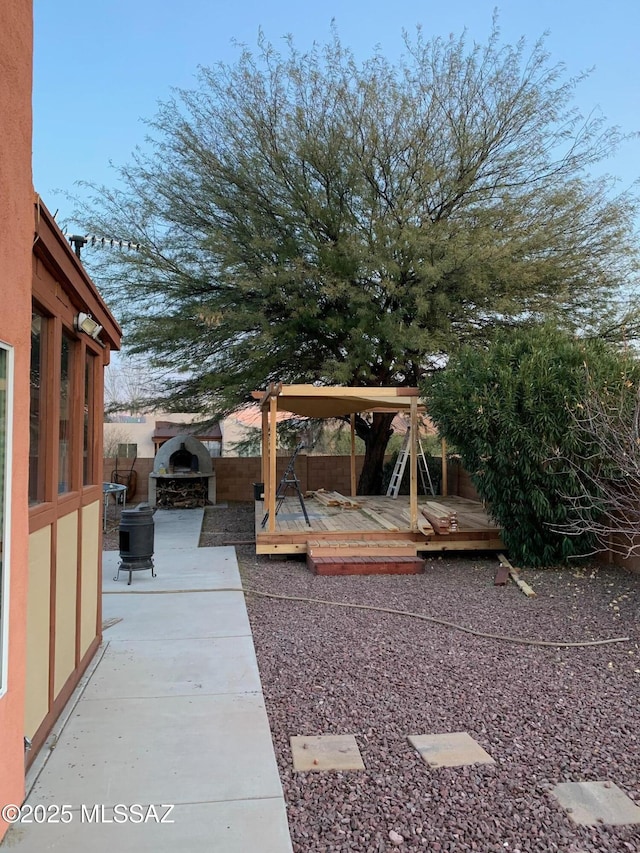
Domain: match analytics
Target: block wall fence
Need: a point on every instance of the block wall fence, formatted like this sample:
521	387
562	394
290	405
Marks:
235	475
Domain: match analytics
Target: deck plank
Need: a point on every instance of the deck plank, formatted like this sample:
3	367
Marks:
382	519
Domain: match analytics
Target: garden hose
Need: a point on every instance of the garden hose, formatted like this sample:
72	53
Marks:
433	619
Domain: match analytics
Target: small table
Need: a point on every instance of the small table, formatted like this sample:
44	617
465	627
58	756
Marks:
114	489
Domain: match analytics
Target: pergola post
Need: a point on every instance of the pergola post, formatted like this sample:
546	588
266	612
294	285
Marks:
413	466
273	420
265	451
353	455
445	488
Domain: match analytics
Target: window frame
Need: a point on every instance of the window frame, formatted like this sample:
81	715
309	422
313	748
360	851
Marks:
43	464
64	426
55	503
5	497
127	445
89	419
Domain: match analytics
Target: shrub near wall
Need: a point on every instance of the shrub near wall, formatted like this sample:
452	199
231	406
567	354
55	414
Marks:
508	411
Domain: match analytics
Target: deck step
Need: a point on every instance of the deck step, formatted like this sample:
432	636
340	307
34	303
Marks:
366	565
361	548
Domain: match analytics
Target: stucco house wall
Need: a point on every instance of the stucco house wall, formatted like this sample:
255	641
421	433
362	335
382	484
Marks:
16	238
139	430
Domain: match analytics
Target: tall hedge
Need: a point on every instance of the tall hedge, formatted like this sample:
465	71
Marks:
507	410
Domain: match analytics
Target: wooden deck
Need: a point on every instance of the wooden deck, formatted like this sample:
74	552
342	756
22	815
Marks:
380	526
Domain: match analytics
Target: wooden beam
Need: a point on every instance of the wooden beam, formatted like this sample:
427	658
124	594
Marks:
443	519
273	422
515	577
353	548
413	466
265	454
265	397
353	455
346	391
445	486
423	525
455	543
332	498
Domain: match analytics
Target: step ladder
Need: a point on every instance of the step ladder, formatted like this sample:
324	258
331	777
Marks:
289	480
401	464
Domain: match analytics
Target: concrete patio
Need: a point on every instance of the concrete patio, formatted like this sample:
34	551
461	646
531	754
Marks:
171	714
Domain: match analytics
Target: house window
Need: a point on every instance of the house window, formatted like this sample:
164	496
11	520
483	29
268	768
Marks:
64	429
6	392
128	451
214	447
38	388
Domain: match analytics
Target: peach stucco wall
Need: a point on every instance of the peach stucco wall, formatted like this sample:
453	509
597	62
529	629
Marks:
91	521
38	630
16	238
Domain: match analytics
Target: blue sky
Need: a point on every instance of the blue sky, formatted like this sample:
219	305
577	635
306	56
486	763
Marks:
100	68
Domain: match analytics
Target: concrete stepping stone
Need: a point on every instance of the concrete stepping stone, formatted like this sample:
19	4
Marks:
589	803
325	752
451	749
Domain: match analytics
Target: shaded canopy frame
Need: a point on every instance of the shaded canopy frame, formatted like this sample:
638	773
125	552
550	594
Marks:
333	402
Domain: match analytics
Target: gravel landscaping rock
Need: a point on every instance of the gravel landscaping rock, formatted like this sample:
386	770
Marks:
111	536
545	715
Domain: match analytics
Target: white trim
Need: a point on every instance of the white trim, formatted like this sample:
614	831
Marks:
6	533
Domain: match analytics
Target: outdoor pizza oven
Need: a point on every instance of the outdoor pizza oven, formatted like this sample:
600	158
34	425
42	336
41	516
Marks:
182	475
183	461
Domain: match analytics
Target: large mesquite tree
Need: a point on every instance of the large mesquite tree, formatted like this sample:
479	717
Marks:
306	218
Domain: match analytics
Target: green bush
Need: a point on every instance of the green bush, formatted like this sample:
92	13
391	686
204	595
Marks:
508	410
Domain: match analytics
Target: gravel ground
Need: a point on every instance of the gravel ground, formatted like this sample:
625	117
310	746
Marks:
110	537
546	715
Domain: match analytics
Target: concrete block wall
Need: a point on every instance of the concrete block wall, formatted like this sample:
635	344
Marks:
459	482
332	472
235	475
631	564
142	467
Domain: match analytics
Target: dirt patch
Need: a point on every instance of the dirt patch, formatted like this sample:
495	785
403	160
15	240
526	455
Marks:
111	537
229	524
225	524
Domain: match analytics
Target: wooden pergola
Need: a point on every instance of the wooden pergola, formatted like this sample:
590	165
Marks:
336	402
